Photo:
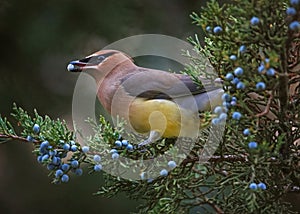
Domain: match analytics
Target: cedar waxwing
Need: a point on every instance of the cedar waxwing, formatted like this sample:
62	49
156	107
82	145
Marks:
154	102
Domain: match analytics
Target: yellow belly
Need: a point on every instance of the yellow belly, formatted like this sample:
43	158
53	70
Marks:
163	116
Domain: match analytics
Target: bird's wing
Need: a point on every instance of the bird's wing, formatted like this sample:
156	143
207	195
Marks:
156	84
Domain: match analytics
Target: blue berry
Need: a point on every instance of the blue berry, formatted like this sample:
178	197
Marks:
217	29
254	20
294	2
233	57
218	110
143	175
246	132
240	85
36	128
233	103
225	109
236	115
252	145
85	149
74	163
129	147
78	172
253	186
113	151
295	25
65	167
44	144
97	158
53	152
261	86
115	156
172	164
56	160
238	71
50	166
163	172
58	173
270	72
215	121
66	147
242	49
208	28
73	148
235	81
29	138
65	178
234	99
150	180
229	76
124	142
118	143
98	167
226	97
226	104
39	158
262	186
45	157
291	11
261	68
223	116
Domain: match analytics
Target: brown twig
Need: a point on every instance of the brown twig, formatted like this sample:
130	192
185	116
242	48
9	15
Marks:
14	137
267	109
230	158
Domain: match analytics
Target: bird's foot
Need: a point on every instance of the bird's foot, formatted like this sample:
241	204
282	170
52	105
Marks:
154	136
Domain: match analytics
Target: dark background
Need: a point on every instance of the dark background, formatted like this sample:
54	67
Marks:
38	39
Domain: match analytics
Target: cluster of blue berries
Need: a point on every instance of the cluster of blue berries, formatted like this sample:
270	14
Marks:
120	144
216	30
239	71
97	160
234	77
36	130
123	144
171	165
221	111
255	186
114	154
292	11
164	172
53	157
264	68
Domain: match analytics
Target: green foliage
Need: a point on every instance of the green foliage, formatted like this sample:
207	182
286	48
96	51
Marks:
52	130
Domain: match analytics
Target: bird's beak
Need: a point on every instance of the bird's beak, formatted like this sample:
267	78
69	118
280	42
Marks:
76	66
80	65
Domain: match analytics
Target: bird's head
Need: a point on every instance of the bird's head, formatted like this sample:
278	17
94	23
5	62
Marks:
103	61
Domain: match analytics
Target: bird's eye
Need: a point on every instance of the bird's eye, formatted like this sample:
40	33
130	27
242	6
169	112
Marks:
100	58
94	60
